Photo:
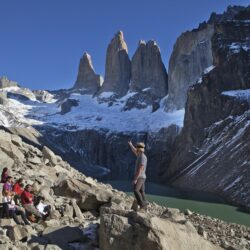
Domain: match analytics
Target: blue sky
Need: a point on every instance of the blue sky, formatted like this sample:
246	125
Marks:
42	41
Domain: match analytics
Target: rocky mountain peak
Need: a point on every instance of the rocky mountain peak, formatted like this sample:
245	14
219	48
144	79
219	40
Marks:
191	55
141	42
117	67
5	82
148	70
87	78
230	14
118	41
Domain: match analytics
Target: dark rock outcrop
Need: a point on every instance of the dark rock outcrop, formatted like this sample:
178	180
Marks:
211	152
148	70
117	67
87	79
105	155
67	105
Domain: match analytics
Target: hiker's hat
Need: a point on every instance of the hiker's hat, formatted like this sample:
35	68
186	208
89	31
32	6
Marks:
140	145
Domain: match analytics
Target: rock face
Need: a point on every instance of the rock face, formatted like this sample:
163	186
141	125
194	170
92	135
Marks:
87	79
191	55
143	231
117	67
211	152
148	70
106	155
5	82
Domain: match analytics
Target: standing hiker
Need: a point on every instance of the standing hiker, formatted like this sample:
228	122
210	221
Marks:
140	173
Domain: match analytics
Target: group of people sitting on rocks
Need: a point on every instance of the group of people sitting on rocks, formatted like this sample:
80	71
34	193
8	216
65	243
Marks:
19	200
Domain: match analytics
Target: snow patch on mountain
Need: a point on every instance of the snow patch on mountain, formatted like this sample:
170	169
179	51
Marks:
89	114
240	94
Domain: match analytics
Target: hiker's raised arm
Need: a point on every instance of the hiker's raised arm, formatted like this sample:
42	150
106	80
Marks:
132	147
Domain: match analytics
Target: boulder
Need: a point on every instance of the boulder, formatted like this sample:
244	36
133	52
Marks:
88	197
11	150
68	211
52	223
147	232
77	210
87	79
7	222
71	188
35	160
19	233
63	235
17	140
148	70
8	246
47	193
48	154
117	67
6	161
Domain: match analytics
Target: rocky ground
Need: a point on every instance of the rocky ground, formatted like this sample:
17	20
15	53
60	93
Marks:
87	214
227	235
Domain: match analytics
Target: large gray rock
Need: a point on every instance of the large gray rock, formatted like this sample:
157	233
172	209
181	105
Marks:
144	231
117	67
192	54
87	79
63	235
148	70
6	160
77	210
89	197
48	154
19	233
9	148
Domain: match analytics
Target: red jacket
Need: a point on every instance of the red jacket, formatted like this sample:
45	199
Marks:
26	198
17	189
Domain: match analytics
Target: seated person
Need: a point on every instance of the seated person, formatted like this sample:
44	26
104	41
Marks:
5	174
8	185
27	202
13	210
18	189
5	210
41	207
